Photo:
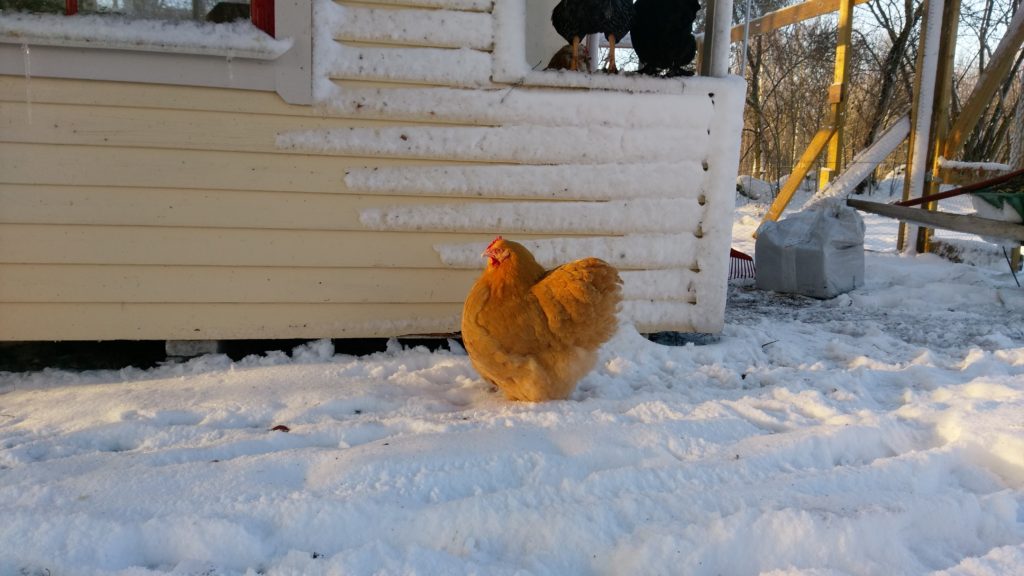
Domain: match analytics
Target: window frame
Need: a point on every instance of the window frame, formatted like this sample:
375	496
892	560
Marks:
289	74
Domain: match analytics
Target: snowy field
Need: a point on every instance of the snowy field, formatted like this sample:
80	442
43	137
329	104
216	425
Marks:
878	433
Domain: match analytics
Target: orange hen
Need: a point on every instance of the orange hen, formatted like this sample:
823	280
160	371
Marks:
534	333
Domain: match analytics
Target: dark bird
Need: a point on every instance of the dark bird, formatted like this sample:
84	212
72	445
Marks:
574	19
662	35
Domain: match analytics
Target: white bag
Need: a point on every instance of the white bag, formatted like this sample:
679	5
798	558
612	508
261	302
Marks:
817	253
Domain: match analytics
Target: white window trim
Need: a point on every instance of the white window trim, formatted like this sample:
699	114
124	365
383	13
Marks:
289	74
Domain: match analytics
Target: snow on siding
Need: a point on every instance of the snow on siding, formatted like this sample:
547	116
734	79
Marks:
511	105
616	217
644	166
563	182
536	144
637	251
423	27
450	66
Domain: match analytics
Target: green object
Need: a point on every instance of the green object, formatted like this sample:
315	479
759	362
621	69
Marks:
1008	189
1000	199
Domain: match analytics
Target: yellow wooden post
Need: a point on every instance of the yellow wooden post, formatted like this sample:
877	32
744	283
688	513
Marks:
837	96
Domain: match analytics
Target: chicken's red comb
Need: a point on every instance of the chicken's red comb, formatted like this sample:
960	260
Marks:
493	242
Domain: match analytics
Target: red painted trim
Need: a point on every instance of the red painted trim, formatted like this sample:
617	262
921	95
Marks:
261	13
70	7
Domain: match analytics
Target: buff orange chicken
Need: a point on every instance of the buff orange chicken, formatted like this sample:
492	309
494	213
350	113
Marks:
534	333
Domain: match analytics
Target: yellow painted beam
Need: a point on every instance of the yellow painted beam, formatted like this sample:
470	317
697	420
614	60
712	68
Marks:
803	166
789	15
837	95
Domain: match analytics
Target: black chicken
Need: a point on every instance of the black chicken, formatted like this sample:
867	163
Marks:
574	19
662	35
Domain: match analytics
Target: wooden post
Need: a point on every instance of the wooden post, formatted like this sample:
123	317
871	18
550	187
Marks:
921	111
705	50
837	96
714	53
940	111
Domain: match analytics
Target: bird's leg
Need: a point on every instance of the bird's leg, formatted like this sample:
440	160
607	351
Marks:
575	65
612	68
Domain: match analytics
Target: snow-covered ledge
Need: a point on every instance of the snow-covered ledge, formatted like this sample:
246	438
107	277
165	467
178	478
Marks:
240	39
235	55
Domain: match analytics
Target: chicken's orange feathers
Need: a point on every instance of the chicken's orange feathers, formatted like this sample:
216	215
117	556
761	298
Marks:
535	333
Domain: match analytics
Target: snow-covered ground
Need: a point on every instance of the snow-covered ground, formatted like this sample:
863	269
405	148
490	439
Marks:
881	432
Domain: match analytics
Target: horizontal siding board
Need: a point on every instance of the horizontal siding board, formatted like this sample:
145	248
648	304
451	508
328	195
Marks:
73	321
97	205
214	284
154	128
45	283
216	131
191	169
383	101
14	89
140	245
30	164
127	321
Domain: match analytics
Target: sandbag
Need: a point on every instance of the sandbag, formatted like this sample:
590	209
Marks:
817	253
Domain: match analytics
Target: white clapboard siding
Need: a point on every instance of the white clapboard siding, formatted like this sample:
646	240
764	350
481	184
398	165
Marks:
132	211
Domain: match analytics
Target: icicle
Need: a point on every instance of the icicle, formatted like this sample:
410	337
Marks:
231	70
28	81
